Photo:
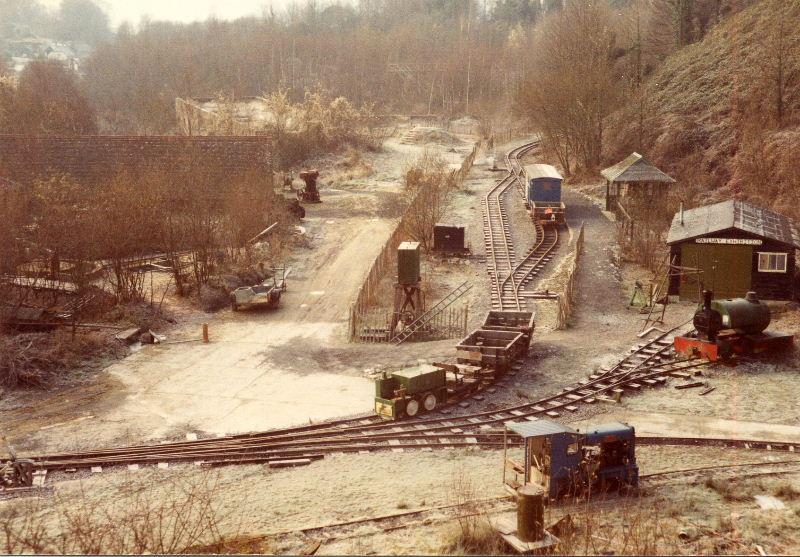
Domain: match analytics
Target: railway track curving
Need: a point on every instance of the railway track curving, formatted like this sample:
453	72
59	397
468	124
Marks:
509	277
648	365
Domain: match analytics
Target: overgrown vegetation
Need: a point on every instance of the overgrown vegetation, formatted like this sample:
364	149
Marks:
472	533
427	187
202	218
722	115
36	359
174	517
97	238
45	101
320	123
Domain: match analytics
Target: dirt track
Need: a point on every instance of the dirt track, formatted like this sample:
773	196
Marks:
261	369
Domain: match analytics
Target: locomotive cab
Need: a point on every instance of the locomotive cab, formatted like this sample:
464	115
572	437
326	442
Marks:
566	462
614	447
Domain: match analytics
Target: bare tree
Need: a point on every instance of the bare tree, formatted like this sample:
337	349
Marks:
574	87
427	187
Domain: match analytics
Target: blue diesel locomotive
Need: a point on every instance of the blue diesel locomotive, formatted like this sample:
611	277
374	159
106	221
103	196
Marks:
568	462
543	194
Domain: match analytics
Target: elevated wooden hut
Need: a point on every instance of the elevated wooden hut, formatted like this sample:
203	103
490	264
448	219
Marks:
635	178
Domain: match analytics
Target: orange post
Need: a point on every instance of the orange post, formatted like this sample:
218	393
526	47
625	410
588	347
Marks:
205	332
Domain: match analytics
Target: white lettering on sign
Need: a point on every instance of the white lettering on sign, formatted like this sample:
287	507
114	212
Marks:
733	241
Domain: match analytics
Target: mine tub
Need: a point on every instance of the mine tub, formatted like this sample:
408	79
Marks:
513	321
494	349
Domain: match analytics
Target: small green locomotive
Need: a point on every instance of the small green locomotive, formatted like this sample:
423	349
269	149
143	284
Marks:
409	391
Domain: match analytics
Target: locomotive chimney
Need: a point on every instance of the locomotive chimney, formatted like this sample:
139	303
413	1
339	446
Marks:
708	295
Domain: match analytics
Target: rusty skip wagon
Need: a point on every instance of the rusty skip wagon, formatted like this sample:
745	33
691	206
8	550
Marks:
504	338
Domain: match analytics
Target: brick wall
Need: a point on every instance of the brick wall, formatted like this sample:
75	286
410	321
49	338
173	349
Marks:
92	159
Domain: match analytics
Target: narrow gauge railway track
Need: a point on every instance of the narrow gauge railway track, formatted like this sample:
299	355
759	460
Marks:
646	365
508	277
512	288
317	449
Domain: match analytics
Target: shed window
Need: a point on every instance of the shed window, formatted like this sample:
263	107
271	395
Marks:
771	262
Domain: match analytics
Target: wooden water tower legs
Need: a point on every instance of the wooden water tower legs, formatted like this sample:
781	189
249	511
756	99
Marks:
408	304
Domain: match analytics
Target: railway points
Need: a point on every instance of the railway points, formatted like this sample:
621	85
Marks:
651	363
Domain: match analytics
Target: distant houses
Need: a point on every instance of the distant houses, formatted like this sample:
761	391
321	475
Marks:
21	52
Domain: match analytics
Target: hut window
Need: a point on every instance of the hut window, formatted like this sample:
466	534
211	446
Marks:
771	262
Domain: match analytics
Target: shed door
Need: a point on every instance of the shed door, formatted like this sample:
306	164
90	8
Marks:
727	270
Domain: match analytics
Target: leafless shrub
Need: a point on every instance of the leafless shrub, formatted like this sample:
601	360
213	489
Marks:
168	519
427	187
632	526
786	490
213	298
731	490
33	359
473	534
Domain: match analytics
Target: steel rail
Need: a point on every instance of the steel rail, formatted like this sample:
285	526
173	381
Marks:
399	430
497	235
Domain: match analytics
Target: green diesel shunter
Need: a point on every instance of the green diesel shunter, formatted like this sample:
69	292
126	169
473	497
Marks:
410	391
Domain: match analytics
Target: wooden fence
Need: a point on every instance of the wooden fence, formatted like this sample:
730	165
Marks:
374	325
566	298
388	256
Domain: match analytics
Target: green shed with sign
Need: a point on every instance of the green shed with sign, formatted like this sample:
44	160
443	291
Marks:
731	248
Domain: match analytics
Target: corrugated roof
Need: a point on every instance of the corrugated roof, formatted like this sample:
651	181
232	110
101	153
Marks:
538	428
740	215
635	168
533	171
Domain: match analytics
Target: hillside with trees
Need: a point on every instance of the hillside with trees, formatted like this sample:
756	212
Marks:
724	114
440	57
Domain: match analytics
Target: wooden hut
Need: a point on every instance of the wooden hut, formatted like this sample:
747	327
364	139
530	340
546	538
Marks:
635	178
737	247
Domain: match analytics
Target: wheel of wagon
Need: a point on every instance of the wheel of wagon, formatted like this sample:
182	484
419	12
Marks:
412	407
430	402
24	472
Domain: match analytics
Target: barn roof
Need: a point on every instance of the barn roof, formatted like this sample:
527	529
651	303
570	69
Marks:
740	215
533	171
93	159
635	168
